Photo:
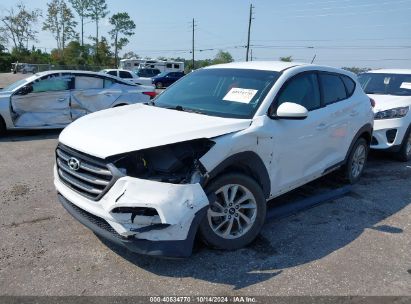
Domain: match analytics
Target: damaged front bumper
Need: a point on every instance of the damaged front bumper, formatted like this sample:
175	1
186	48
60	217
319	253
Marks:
168	231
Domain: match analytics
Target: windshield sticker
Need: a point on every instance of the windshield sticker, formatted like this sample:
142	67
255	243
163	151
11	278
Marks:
240	95
406	85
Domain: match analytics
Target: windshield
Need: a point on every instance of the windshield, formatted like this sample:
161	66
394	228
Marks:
235	93
14	85
386	84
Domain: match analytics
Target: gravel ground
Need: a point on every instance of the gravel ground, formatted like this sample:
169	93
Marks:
358	244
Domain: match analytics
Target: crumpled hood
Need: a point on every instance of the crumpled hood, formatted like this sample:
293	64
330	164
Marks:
385	102
135	127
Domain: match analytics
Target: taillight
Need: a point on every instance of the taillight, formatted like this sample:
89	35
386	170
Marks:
372	101
151	94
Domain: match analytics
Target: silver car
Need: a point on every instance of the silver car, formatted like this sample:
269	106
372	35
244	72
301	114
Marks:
53	99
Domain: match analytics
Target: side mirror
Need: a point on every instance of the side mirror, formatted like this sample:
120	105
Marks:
290	110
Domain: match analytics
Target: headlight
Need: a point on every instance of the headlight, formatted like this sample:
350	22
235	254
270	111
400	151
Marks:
392	113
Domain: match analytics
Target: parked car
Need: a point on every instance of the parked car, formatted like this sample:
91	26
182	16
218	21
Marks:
222	141
166	79
54	99
391	91
147	72
128	75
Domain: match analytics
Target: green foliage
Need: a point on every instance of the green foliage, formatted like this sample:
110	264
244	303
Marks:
81	7
97	10
18	26
287	59
356	70
122	25
60	22
222	57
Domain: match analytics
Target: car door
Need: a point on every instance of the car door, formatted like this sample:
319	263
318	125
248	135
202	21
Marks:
43	102
341	110
92	93
298	151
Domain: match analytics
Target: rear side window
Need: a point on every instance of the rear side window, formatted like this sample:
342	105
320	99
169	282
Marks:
349	84
124	74
114	73
303	90
333	88
85	83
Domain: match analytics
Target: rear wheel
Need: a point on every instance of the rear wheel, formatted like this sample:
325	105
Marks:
236	214
405	152
356	161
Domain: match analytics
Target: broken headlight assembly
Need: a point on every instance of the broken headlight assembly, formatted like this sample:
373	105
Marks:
175	163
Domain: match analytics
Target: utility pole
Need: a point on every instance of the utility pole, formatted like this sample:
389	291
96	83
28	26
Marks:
249	31
193	43
251	53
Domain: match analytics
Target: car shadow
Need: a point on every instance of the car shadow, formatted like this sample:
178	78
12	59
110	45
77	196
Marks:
297	239
30	135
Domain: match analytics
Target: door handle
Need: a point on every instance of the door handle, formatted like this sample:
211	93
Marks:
322	126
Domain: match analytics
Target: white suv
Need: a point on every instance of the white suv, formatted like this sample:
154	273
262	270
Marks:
391	91
209	152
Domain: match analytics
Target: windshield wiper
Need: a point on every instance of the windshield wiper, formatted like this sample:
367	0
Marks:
182	109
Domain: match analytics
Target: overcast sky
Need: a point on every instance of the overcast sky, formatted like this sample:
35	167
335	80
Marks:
365	33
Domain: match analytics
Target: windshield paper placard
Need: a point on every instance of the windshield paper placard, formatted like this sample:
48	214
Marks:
240	95
406	85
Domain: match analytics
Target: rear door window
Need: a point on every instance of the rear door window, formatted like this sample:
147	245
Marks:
114	73
303	90
88	82
333	88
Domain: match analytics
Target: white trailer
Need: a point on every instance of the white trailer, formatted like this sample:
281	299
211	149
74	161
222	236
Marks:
164	66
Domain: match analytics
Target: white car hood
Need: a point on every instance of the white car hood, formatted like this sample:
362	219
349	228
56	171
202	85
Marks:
385	102
135	127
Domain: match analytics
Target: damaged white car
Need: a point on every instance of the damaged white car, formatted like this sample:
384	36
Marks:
208	153
54	99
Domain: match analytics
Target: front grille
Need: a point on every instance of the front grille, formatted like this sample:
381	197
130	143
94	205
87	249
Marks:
93	177
98	221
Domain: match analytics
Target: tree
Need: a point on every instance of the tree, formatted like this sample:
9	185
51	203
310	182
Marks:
97	10
287	59
356	70
19	26
60	22
81	7
223	57
130	54
122	25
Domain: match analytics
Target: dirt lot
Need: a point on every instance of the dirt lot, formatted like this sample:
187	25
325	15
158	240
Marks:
358	244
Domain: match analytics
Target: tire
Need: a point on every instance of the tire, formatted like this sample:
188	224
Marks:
404	154
159	85
3	127
356	161
225	226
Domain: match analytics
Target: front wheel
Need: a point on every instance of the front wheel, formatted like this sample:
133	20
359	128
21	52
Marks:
405	152
236	214
356	161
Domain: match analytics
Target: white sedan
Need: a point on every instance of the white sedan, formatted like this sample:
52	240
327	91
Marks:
391	91
128	75
54	99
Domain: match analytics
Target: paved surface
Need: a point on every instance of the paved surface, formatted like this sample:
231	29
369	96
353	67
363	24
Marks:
357	245
8	78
